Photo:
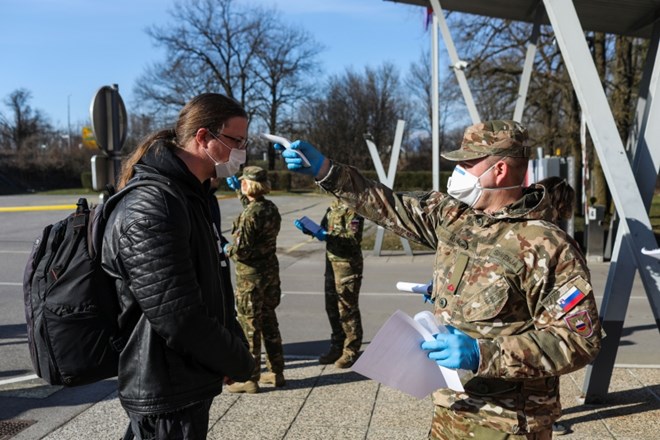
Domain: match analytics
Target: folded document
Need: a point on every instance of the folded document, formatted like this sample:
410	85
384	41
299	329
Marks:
395	357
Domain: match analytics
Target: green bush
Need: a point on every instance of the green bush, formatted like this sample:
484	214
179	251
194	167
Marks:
284	180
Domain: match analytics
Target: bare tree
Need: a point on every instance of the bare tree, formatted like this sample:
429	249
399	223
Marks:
23	123
284	62
209	46
495	50
353	105
245	52
419	83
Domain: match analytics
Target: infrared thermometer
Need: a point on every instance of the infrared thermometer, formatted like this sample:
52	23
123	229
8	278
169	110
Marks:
286	144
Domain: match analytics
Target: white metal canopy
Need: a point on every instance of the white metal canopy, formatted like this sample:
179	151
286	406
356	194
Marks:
622	17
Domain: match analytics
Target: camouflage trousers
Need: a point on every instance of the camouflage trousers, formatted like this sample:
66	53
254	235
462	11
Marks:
449	425
342	290
257	296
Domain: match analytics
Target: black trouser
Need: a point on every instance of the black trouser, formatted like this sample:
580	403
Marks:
191	423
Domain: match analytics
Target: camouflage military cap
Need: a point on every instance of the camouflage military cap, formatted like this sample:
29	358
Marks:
491	138
256	174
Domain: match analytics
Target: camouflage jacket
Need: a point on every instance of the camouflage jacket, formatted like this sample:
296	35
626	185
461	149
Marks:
254	235
344	232
511	280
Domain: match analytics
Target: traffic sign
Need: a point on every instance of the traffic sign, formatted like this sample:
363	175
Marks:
88	139
109	120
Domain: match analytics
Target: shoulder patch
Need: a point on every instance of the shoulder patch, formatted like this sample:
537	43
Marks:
566	297
570	299
580	323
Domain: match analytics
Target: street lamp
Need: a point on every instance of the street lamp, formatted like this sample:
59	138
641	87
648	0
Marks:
68	118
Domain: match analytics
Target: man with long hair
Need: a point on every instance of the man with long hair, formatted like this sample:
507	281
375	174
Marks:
178	320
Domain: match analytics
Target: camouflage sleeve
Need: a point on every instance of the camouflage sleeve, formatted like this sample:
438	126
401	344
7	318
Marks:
245	235
566	331
343	220
412	217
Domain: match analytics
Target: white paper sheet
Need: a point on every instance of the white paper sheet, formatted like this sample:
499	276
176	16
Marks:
405	286
394	358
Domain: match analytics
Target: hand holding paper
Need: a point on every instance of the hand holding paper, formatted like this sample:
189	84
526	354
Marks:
394	357
454	350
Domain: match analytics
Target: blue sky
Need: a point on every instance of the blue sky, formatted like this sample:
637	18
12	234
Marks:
63	51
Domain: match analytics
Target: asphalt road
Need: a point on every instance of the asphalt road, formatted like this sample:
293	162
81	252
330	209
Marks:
302	317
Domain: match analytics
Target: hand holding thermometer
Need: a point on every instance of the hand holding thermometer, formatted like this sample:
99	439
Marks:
286	144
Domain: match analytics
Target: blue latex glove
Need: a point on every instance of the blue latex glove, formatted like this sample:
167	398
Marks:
300	226
233	183
454	350
321	235
224	248
295	163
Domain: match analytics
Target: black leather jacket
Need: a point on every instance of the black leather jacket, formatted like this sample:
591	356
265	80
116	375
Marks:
176	312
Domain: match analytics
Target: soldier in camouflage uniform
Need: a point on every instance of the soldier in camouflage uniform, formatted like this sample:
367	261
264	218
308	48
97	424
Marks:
258	291
510	285
342	231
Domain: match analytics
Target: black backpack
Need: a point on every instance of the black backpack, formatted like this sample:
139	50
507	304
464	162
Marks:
71	304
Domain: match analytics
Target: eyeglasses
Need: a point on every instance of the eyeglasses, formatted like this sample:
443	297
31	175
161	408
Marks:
241	144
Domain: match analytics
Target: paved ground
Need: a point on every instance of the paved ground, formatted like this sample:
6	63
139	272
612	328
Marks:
326	403
323	402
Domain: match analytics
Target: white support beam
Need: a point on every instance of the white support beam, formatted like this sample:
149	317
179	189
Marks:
457	64
527	68
635	223
388	179
435	106
645	140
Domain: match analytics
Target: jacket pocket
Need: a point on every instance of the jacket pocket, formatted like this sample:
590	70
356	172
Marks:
481	303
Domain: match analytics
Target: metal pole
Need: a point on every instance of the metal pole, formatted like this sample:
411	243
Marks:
435	106
456	63
68	118
116	137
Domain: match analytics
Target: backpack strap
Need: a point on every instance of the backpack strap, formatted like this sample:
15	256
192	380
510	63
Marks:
102	212
146	179
118	342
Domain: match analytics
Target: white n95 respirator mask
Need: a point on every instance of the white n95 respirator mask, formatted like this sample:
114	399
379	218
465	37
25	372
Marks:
466	187
227	169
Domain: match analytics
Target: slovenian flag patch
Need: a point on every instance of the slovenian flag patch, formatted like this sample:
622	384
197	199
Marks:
569	299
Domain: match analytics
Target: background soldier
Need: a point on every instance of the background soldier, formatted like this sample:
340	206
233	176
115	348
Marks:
341	229
257	276
511	287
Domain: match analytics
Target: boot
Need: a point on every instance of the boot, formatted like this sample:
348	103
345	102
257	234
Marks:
276	379
249	387
346	360
332	355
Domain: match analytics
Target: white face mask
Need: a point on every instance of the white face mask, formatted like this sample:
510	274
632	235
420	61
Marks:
464	186
467	188
227	169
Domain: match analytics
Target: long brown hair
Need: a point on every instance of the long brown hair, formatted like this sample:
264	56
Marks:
208	110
